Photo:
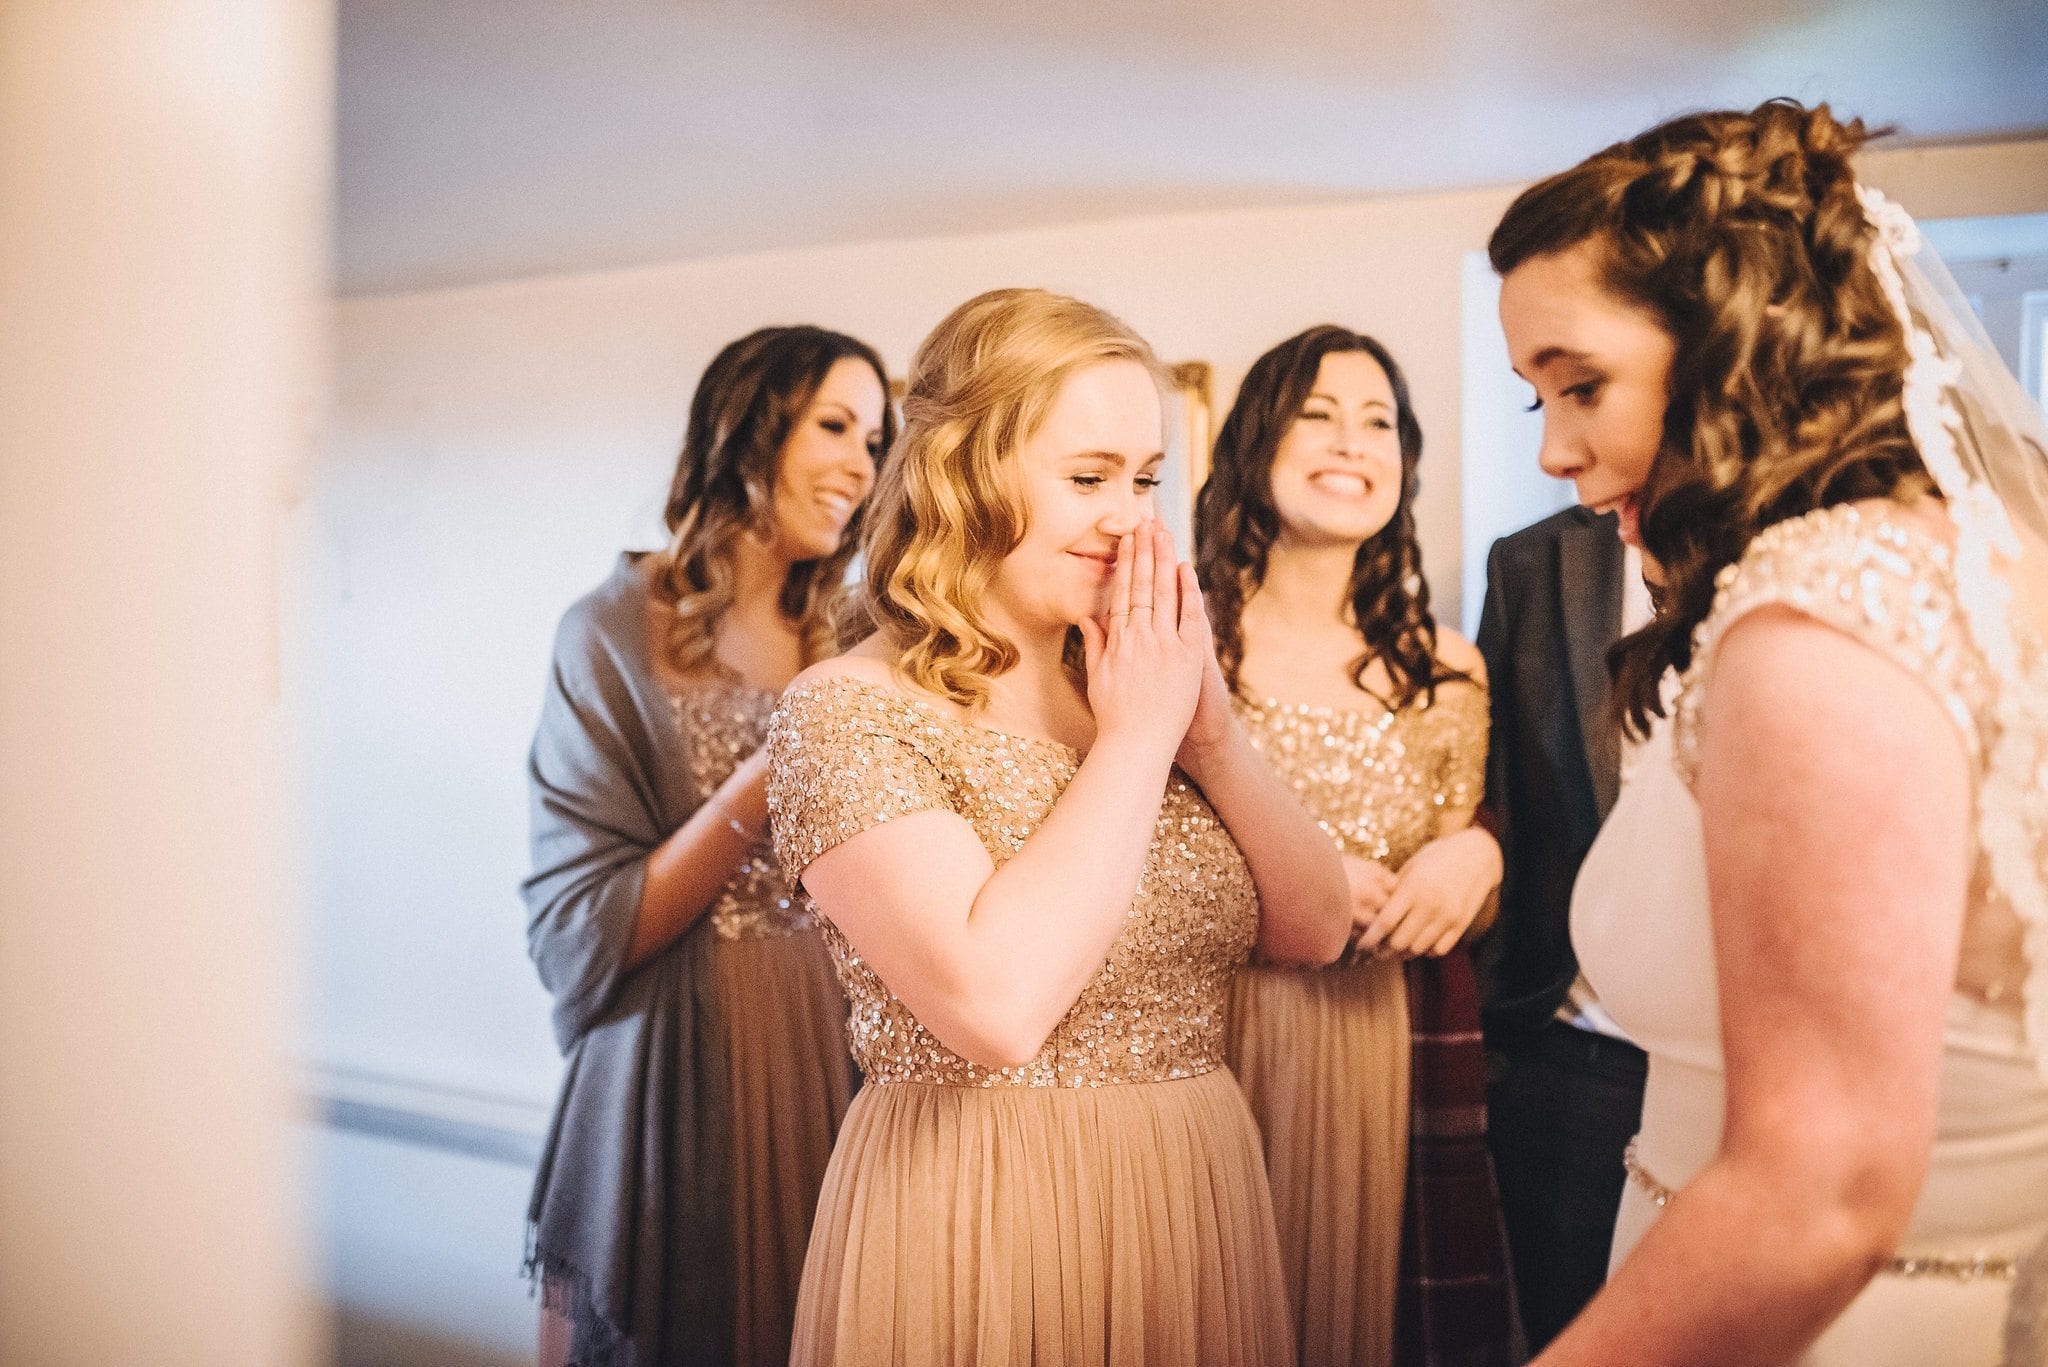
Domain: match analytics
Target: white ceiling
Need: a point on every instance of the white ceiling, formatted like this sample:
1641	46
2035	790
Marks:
481	139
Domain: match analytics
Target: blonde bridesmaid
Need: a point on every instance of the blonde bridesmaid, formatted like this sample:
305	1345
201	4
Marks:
1042	845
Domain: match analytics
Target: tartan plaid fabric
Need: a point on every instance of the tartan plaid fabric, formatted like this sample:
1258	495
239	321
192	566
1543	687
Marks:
1454	1306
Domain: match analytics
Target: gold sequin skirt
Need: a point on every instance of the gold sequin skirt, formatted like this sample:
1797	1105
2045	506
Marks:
1323	1058
792	1081
1118	1225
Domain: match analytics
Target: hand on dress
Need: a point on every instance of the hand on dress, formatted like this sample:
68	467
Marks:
1439	892
1371	884
1146	656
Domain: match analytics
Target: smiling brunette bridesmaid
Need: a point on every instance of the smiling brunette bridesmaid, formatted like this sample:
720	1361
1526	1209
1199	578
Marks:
1367	1078
1040	869
706	1070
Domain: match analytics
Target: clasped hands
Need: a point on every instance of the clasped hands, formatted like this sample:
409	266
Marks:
1425	909
1151	659
1152	671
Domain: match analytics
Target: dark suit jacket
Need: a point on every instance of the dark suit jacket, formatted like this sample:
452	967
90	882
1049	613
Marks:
1553	606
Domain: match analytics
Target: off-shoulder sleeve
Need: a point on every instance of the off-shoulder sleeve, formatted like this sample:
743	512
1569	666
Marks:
1888	584
845	756
1467	717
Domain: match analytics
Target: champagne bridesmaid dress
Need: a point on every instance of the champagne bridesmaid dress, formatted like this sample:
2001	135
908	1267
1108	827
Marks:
1384	1261
790	1079
1104	1203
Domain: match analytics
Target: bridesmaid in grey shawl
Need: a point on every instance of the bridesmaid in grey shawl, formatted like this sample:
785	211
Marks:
706	1070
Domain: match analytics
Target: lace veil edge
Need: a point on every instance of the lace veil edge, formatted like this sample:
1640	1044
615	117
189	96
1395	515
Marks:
1985	443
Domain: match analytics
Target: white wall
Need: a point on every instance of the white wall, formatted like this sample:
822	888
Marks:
495	446
421	1259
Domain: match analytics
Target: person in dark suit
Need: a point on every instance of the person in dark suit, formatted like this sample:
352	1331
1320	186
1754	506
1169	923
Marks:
1565	1088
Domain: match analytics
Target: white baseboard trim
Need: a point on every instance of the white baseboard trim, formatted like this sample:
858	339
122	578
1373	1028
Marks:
503	1129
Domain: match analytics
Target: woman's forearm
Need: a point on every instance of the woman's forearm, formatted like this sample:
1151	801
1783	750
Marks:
1743	1269
687	871
1464	828
1304	901
1041	926
988	958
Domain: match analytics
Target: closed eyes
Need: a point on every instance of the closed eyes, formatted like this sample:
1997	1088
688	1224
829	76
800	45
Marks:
839	427
1377	423
1093	482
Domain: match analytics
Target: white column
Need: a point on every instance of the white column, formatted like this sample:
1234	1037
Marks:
164	174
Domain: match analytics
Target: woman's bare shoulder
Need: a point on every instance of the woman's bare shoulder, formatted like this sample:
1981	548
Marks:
869	661
1460	654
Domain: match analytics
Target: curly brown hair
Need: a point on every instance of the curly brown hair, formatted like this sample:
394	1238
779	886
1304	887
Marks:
750	399
1743	235
1236	522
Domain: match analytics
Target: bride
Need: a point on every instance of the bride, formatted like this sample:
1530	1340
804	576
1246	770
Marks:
1820	905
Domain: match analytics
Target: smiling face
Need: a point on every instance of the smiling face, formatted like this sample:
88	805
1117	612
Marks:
1601	367
1336	474
828	461
1087	475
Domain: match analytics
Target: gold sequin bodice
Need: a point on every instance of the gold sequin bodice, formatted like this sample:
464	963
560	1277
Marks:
722	721
1378	781
847	755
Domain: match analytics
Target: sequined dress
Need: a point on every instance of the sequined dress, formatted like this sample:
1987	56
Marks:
791	1077
1642	924
1325	1055
1104	1203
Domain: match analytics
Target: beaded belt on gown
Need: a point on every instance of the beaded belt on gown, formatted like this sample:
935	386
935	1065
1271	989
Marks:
1965	1267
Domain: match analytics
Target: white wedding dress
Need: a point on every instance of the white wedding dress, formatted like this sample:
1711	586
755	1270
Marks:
1640	921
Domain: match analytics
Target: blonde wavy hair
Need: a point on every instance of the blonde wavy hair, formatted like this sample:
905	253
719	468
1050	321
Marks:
949	506
1741	232
749	401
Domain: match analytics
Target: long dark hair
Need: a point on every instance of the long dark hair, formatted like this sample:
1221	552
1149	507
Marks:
1743	234
1236	522
748	402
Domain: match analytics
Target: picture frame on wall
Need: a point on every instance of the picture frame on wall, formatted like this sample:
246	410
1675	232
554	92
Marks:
1194	392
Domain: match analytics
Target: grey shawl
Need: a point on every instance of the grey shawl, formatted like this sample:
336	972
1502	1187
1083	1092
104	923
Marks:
631	1220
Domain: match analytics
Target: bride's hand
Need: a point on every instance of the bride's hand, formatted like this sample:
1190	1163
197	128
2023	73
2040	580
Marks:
1439	892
